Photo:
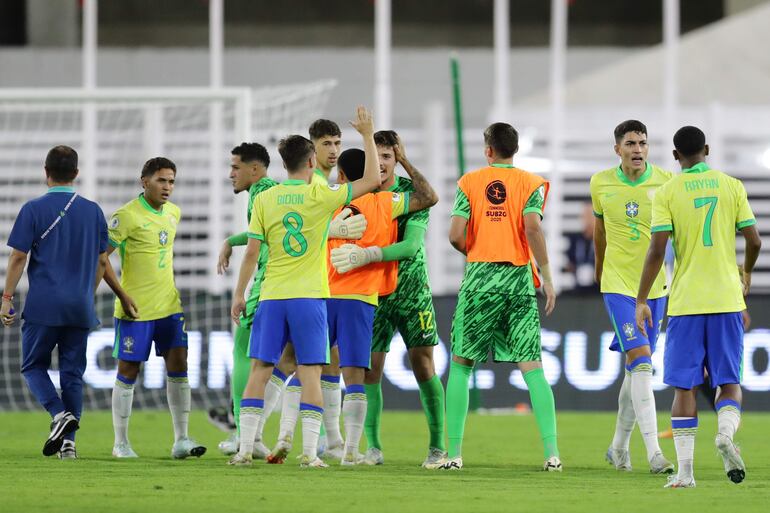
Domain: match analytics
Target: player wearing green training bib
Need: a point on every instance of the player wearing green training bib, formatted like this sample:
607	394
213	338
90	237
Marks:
248	171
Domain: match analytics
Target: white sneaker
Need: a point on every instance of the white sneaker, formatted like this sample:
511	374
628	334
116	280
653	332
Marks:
67	451
452	464
322	445
333	453
282	449
680	482
186	447
260	451
660	465
619	458
351	459
435	458
123	450
731	456
306	462
230	446
552	464
239	460
373	456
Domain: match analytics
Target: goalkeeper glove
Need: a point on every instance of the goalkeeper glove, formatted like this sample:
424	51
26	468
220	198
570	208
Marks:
349	256
345	226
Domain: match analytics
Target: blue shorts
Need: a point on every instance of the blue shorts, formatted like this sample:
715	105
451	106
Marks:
696	342
622	312
350	327
301	321
133	339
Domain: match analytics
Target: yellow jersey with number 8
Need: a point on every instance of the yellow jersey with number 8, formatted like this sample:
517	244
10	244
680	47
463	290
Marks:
144	239
293	219
703	208
626	208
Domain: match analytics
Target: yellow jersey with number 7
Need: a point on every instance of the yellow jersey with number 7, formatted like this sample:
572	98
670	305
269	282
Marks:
626	208
703	208
293	219
144	239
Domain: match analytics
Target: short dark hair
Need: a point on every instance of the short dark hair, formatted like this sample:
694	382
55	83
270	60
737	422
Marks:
689	141
322	128
503	139
61	164
386	138
630	125
295	150
155	164
352	163
252	152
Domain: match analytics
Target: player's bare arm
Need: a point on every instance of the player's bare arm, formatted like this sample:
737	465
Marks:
248	266
364	125
129	305
536	240
753	245
600	247
101	267
17	260
652	264
457	229
423	196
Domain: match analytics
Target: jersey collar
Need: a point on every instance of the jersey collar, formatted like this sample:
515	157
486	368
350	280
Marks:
394	187
61	188
700	167
148	206
320	173
504	166
639	181
294	182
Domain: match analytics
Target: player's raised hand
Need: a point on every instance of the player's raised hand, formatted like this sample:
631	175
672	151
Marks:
643	317
129	306
398	150
7	313
550	297
347	226
223	262
238	306
363	123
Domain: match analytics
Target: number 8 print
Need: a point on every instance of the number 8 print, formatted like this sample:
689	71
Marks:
293	223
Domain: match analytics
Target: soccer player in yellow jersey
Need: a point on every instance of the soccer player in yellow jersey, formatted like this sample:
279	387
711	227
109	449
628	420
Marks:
622	203
702	209
148	308
293	220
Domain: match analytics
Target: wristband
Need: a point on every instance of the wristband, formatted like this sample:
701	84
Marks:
8	297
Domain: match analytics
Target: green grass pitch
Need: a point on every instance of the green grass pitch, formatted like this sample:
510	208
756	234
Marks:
502	456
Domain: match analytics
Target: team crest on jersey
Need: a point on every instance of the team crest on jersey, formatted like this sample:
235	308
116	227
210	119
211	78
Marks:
163	237
334	186
128	345
396	197
632	209
628	329
496	192
114	222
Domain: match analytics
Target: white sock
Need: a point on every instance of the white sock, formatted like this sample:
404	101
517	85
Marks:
273	391
178	396
249	421
644	403
354	413
290	409
332	396
728	417
122	399
624	425
684	429
311	428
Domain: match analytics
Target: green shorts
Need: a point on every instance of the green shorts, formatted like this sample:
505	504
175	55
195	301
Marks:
507	325
415	319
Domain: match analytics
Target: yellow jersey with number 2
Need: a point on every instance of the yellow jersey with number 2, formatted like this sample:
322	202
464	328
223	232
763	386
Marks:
293	219
703	208
626	208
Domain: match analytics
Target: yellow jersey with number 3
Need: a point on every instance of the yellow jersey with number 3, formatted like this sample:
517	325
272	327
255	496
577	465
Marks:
144	239
703	208
626	208
293	219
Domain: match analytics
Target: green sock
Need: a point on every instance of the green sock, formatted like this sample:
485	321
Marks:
373	415
432	399
241	370
541	395
457	405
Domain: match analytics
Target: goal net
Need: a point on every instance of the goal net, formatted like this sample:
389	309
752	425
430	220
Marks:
115	131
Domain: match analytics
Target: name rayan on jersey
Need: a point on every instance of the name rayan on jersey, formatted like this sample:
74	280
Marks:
701	184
